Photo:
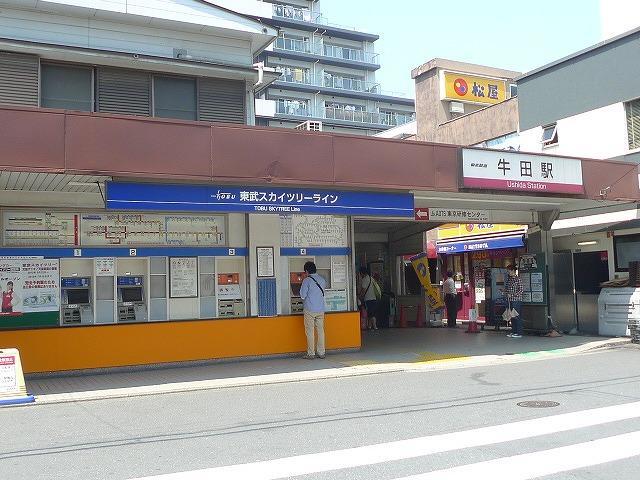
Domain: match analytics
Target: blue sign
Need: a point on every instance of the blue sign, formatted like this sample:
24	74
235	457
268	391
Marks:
207	198
71	282
486	244
129	281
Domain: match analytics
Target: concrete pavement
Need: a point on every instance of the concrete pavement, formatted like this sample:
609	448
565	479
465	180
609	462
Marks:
383	351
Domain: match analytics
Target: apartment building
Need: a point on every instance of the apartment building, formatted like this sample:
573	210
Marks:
189	60
328	75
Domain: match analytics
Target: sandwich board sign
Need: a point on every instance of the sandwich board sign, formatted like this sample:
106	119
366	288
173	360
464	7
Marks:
13	390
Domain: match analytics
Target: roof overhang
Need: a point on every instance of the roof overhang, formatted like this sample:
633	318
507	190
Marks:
193	16
147	149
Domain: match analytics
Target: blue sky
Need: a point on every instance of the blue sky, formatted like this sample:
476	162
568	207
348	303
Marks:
520	35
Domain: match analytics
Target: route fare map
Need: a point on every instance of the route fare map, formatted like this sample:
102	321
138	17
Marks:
319	231
44	229
149	229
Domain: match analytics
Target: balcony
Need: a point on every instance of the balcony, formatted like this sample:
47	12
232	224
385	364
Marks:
300	108
294	13
390	119
297	108
327	51
303	76
298	14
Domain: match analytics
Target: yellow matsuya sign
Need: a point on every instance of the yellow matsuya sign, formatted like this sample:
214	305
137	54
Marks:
470	88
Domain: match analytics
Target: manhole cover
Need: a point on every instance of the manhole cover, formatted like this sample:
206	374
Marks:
538	404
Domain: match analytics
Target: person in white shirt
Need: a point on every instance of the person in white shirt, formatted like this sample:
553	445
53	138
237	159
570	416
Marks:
367	295
450	300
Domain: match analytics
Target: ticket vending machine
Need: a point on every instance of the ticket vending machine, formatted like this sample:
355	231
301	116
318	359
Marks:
295	282
296	276
132	306
230	302
76	301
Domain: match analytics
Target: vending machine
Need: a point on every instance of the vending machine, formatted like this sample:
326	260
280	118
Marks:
132	306
295	282
76	297
495	299
230	301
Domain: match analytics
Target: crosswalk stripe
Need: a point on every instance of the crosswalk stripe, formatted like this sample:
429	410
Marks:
412	448
547	462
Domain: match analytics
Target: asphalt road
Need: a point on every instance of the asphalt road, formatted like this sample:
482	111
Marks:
464	419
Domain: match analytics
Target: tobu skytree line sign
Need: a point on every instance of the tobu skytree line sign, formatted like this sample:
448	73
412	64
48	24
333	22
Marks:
510	171
165	197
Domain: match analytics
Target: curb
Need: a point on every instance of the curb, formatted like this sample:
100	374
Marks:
330	373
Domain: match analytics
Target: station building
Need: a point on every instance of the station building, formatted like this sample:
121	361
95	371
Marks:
140	225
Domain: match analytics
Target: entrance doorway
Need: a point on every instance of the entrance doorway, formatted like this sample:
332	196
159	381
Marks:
384	248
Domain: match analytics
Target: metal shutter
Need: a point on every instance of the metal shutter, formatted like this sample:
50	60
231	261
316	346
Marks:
633	123
124	91
18	79
221	101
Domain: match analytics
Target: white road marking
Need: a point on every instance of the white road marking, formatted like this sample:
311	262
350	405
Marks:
546	462
412	448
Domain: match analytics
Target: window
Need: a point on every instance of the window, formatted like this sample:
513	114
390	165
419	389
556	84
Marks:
549	135
633	123
68	87
513	90
627	249
174	97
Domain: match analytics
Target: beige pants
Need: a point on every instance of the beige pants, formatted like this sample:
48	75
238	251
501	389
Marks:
314	320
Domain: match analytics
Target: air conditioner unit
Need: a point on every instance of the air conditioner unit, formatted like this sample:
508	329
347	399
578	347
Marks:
456	107
310	125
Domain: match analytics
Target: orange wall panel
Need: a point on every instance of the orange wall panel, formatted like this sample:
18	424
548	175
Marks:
74	348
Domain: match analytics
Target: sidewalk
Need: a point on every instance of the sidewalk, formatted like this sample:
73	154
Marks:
383	351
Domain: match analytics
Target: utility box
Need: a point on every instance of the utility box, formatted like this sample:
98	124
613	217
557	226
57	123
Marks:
617	307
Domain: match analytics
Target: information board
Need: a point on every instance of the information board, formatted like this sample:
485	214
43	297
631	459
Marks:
319	231
151	229
30	292
532	272
13	390
43	229
265	261
105	266
335	300
183	277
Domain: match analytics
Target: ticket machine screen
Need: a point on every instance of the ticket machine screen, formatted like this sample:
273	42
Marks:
77	296
132	294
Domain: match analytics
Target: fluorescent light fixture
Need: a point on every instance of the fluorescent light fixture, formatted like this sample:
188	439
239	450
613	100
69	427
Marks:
587	242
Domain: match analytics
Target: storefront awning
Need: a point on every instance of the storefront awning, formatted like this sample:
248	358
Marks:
479	245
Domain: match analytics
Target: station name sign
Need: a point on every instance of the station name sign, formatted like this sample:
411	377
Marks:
522	172
209	198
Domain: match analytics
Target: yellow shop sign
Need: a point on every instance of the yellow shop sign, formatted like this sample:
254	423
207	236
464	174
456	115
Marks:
470	88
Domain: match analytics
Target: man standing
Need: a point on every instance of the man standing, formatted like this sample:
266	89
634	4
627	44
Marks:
514	289
450	300
312	292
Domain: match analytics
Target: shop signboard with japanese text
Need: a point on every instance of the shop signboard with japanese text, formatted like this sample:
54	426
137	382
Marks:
462	230
30	292
474	89
207	198
521	172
